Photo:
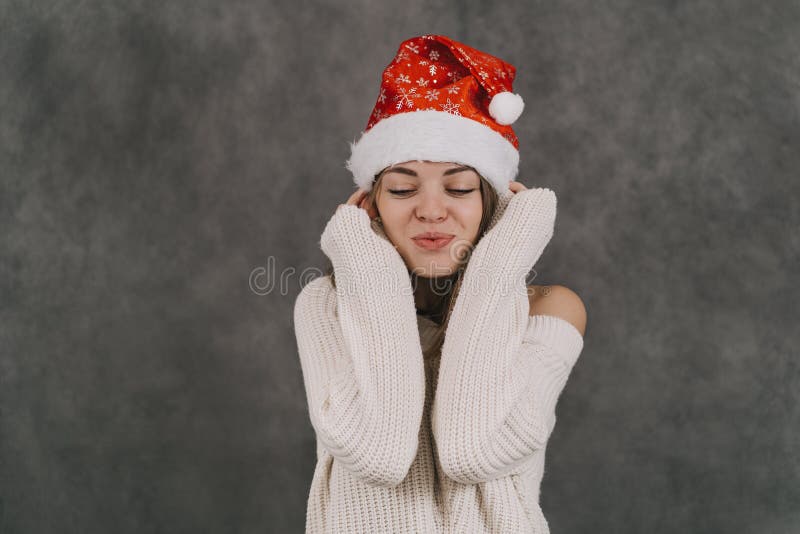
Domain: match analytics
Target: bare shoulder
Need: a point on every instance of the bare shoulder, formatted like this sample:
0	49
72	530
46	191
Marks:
559	301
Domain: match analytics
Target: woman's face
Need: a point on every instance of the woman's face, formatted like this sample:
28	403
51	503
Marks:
417	197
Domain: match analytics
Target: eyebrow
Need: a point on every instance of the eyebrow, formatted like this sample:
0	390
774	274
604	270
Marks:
410	172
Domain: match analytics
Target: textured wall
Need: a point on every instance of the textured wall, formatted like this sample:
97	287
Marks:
153	155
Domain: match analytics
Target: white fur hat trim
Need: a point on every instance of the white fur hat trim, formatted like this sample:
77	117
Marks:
430	135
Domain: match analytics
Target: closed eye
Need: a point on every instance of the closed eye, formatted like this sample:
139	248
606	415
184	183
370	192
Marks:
461	191
408	191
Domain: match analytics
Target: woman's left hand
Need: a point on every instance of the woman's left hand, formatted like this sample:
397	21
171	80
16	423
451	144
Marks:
504	198
516	187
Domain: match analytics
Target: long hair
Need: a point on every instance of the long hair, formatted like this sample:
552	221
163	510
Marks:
440	311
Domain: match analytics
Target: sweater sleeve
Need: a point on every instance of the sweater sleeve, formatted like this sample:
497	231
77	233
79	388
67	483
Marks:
501	370
360	352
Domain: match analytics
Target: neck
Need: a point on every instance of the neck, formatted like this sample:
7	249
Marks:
429	291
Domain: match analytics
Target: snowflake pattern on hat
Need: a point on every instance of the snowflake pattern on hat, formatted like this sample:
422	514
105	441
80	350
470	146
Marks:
433	72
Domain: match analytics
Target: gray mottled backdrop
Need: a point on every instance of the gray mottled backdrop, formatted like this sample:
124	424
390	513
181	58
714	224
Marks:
162	164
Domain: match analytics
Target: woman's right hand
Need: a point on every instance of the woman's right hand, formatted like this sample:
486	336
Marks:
357	243
359	198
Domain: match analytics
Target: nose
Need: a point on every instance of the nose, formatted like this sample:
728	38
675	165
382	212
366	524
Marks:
431	207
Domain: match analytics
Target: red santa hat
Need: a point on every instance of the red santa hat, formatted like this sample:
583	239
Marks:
441	100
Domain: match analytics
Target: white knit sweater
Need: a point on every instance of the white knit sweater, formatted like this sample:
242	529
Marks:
413	441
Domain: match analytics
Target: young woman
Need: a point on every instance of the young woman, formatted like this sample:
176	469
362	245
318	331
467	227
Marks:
432	370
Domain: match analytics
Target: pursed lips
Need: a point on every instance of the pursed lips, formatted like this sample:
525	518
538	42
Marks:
432	235
432	240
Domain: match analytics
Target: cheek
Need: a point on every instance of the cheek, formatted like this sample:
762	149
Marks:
395	219
470	212
392	212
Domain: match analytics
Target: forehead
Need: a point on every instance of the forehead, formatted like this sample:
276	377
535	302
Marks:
418	169
429	165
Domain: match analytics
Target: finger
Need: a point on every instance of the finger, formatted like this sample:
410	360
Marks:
516	187
355	198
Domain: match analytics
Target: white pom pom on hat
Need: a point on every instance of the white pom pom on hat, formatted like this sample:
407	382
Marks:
506	107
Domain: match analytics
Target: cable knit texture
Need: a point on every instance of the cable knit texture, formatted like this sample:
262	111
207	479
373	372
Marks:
414	441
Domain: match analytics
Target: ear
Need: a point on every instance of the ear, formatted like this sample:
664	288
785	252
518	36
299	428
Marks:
370	207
